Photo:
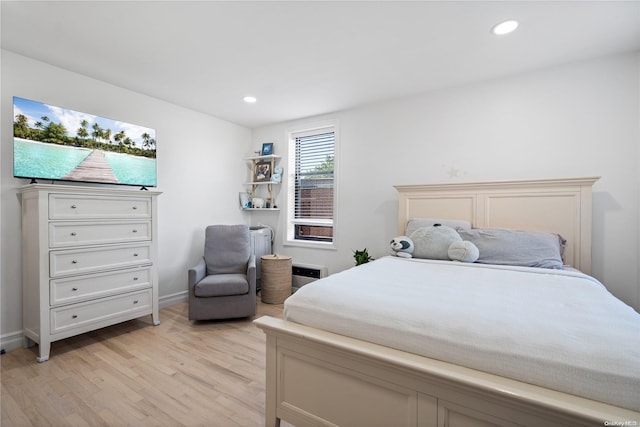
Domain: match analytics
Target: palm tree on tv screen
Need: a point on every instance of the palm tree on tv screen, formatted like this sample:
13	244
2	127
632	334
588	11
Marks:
106	135
21	126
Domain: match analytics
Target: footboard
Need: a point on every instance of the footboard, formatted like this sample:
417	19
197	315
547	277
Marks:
317	378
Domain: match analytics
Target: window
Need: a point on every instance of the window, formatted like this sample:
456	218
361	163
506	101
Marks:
312	186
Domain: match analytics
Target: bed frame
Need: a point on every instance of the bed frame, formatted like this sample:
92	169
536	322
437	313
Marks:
318	378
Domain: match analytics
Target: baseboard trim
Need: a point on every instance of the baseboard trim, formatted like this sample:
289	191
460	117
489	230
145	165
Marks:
11	341
169	300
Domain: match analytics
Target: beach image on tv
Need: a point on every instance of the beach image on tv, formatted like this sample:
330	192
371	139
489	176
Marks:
53	143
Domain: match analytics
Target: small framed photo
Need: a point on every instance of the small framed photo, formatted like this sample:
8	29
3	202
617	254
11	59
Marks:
267	149
262	172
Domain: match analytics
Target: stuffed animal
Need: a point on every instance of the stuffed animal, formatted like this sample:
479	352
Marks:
402	246
464	251
444	243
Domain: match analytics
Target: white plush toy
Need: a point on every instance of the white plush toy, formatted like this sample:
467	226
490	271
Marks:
402	246
442	242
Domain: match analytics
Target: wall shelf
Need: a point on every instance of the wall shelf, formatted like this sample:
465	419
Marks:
261	183
262	168
269	157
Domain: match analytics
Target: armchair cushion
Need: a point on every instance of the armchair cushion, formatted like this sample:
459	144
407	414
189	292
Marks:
220	285
227	249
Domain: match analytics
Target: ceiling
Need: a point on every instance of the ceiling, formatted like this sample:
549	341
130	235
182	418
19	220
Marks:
303	58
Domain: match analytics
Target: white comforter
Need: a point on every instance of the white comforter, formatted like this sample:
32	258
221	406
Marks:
558	329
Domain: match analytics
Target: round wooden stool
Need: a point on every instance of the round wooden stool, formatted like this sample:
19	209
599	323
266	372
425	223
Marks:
276	278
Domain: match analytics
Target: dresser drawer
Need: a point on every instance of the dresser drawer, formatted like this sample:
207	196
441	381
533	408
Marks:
81	288
120	307
64	234
93	260
69	206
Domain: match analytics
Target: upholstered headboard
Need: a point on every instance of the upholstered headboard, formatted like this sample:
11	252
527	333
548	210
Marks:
560	206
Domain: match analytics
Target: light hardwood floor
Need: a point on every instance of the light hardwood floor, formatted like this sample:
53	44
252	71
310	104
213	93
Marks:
179	373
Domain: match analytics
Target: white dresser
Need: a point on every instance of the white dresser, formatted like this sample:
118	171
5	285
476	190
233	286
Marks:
89	260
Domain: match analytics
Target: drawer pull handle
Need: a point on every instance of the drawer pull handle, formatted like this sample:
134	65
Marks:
74	289
135	278
73	206
73	233
135	231
135	302
75	316
135	207
74	261
135	254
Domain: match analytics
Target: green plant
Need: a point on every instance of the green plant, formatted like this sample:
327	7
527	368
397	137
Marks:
362	256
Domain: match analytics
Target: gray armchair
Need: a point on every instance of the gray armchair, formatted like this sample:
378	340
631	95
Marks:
223	284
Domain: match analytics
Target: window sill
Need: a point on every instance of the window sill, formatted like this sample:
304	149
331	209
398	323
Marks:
311	244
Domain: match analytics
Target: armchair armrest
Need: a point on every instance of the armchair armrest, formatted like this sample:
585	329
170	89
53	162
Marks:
197	273
251	274
252	263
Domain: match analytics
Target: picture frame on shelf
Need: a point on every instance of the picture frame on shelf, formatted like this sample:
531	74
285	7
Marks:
267	149
262	172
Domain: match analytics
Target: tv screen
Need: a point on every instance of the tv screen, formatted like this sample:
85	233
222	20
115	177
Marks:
54	143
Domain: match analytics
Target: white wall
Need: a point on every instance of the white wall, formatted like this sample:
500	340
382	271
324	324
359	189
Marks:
200	171
576	120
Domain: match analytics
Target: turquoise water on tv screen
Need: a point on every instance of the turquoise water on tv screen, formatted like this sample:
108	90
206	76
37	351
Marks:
34	159
133	169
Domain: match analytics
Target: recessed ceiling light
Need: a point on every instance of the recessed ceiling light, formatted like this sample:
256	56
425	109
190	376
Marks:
505	27
249	99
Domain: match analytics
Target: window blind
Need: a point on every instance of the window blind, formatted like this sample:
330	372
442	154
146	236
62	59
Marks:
314	185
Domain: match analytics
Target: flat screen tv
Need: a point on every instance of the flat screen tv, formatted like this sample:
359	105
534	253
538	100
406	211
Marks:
54	143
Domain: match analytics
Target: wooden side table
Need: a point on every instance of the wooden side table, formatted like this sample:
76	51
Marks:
276	278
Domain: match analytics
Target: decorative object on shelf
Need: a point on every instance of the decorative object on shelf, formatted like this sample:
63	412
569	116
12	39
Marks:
267	149
245	200
276	178
257	203
262	172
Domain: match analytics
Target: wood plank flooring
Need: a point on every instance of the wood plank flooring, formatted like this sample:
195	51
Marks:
179	373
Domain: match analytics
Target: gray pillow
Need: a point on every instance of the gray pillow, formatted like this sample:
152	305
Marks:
415	223
516	247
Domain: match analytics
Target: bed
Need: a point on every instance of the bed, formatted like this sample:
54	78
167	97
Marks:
326	373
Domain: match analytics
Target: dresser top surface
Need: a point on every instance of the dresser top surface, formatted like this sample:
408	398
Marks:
76	189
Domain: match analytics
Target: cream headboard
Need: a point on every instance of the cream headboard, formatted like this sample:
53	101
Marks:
555	205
